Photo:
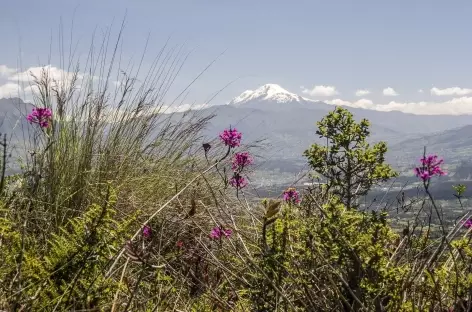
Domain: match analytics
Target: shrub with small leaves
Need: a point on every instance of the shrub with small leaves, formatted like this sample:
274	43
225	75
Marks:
350	165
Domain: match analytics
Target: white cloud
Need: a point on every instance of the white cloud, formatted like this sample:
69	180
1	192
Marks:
420	91
32	89
450	91
320	91
362	103
455	106
9	90
112	114
362	92
54	73
183	107
6	71
389	92
118	83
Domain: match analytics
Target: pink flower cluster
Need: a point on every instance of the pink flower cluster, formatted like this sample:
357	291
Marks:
430	167
238	181
231	137
218	232
291	195
241	160
40	116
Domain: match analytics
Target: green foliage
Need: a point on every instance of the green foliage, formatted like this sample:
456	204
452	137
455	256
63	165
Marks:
460	190
281	246
359	245
337	243
348	163
10	237
70	272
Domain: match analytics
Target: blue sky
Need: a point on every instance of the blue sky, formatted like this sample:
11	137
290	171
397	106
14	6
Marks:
347	45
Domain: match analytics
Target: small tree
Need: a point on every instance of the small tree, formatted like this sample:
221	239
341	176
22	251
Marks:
350	165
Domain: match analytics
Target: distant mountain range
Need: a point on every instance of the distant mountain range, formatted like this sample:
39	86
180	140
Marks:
454	144
12	114
287	123
273	97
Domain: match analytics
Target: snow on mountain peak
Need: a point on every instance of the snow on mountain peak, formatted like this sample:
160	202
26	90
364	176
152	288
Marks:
271	89
267	92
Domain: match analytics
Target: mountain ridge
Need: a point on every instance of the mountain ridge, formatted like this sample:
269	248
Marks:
287	124
268	97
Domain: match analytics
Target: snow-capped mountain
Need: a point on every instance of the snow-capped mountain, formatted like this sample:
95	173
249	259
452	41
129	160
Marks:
274	98
267	93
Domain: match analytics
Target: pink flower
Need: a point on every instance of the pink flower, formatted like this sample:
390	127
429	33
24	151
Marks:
238	181
215	232
179	244
291	195
430	167
40	116
147	231
218	232
231	137
241	160
467	223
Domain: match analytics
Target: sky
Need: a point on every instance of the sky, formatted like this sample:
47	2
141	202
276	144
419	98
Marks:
412	56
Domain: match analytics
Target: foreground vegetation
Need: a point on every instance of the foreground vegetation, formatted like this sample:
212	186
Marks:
127	210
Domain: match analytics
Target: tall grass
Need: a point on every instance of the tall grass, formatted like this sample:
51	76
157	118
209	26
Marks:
102	134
